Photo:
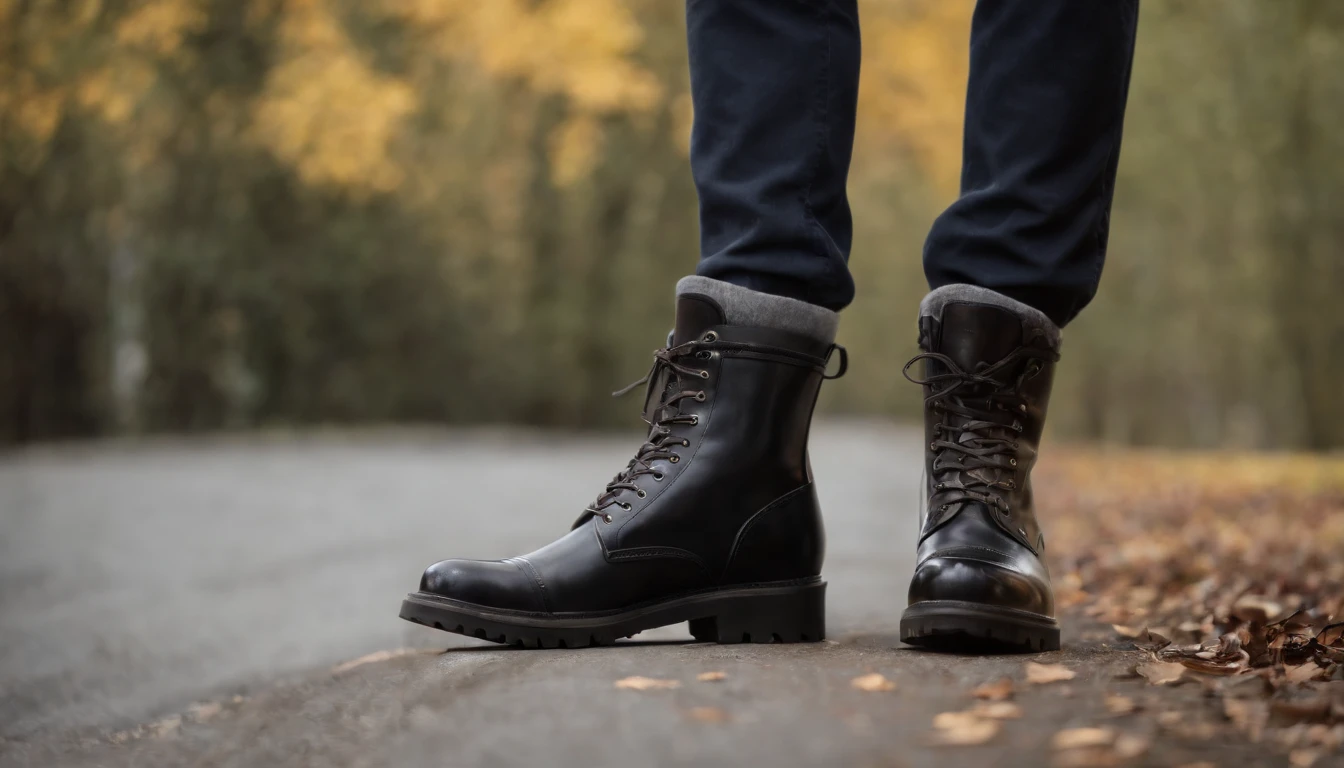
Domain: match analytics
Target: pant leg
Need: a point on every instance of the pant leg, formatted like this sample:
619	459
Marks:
1044	110
774	84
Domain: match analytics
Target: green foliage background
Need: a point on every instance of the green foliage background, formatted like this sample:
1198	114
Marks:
463	236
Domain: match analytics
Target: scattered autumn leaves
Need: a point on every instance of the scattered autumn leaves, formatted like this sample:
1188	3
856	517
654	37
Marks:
1225	571
982	721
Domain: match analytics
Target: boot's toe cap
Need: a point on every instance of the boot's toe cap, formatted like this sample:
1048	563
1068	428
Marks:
503	584
966	579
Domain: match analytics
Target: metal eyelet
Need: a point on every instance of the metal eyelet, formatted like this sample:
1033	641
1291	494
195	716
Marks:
642	493
701	396
624	506
695	420
711	337
933	446
704	355
674	458
1013	462
1010	485
606	518
1022	407
943	508
686	443
704	374
658	477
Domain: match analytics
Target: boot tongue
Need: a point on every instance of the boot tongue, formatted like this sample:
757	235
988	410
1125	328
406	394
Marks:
978	333
695	315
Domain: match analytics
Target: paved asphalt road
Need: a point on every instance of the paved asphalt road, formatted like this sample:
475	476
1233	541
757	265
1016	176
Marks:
137	579
233	602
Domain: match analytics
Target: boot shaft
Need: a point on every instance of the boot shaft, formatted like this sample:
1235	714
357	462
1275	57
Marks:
741	442
988	370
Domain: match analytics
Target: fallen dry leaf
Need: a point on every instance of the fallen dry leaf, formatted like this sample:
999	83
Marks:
1331	636
1081	738
1160	672
378	656
1127	632
964	728
638	683
1149	640
1130	745
1305	673
997	710
710	677
1120	705
999	690
873	683
1255	608
1043	674
1170	719
708	715
1249	716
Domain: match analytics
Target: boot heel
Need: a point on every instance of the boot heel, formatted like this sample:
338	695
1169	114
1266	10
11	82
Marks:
778	615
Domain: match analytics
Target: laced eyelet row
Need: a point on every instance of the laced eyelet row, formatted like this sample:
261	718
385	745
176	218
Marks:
662	428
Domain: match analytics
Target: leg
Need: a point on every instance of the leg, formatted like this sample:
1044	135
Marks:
1015	258
1044	109
774	84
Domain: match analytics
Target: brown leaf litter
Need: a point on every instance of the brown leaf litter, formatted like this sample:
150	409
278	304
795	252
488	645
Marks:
1225	571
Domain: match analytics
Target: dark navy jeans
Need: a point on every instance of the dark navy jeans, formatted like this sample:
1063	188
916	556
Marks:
775	83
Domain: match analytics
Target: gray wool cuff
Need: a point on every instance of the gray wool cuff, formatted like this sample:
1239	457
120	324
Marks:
960	293
743	306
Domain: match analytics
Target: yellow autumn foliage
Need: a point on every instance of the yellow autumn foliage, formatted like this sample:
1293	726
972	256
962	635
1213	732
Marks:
334	116
325	110
160	25
913	88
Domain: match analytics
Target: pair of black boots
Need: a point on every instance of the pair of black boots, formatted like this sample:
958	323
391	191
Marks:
716	521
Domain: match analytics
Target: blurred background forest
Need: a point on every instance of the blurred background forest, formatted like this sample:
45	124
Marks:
220	214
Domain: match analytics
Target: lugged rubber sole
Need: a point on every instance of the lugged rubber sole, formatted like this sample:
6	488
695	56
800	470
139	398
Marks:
788	612
954	625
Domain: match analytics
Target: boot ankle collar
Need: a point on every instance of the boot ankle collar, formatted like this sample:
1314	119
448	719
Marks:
743	306
961	293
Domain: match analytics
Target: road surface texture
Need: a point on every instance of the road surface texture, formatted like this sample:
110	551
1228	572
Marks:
234	602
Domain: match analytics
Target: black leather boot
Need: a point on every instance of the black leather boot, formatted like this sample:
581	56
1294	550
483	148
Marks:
715	521
979	581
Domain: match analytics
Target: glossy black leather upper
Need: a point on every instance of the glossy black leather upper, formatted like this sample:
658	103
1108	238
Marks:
987	549
733	505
